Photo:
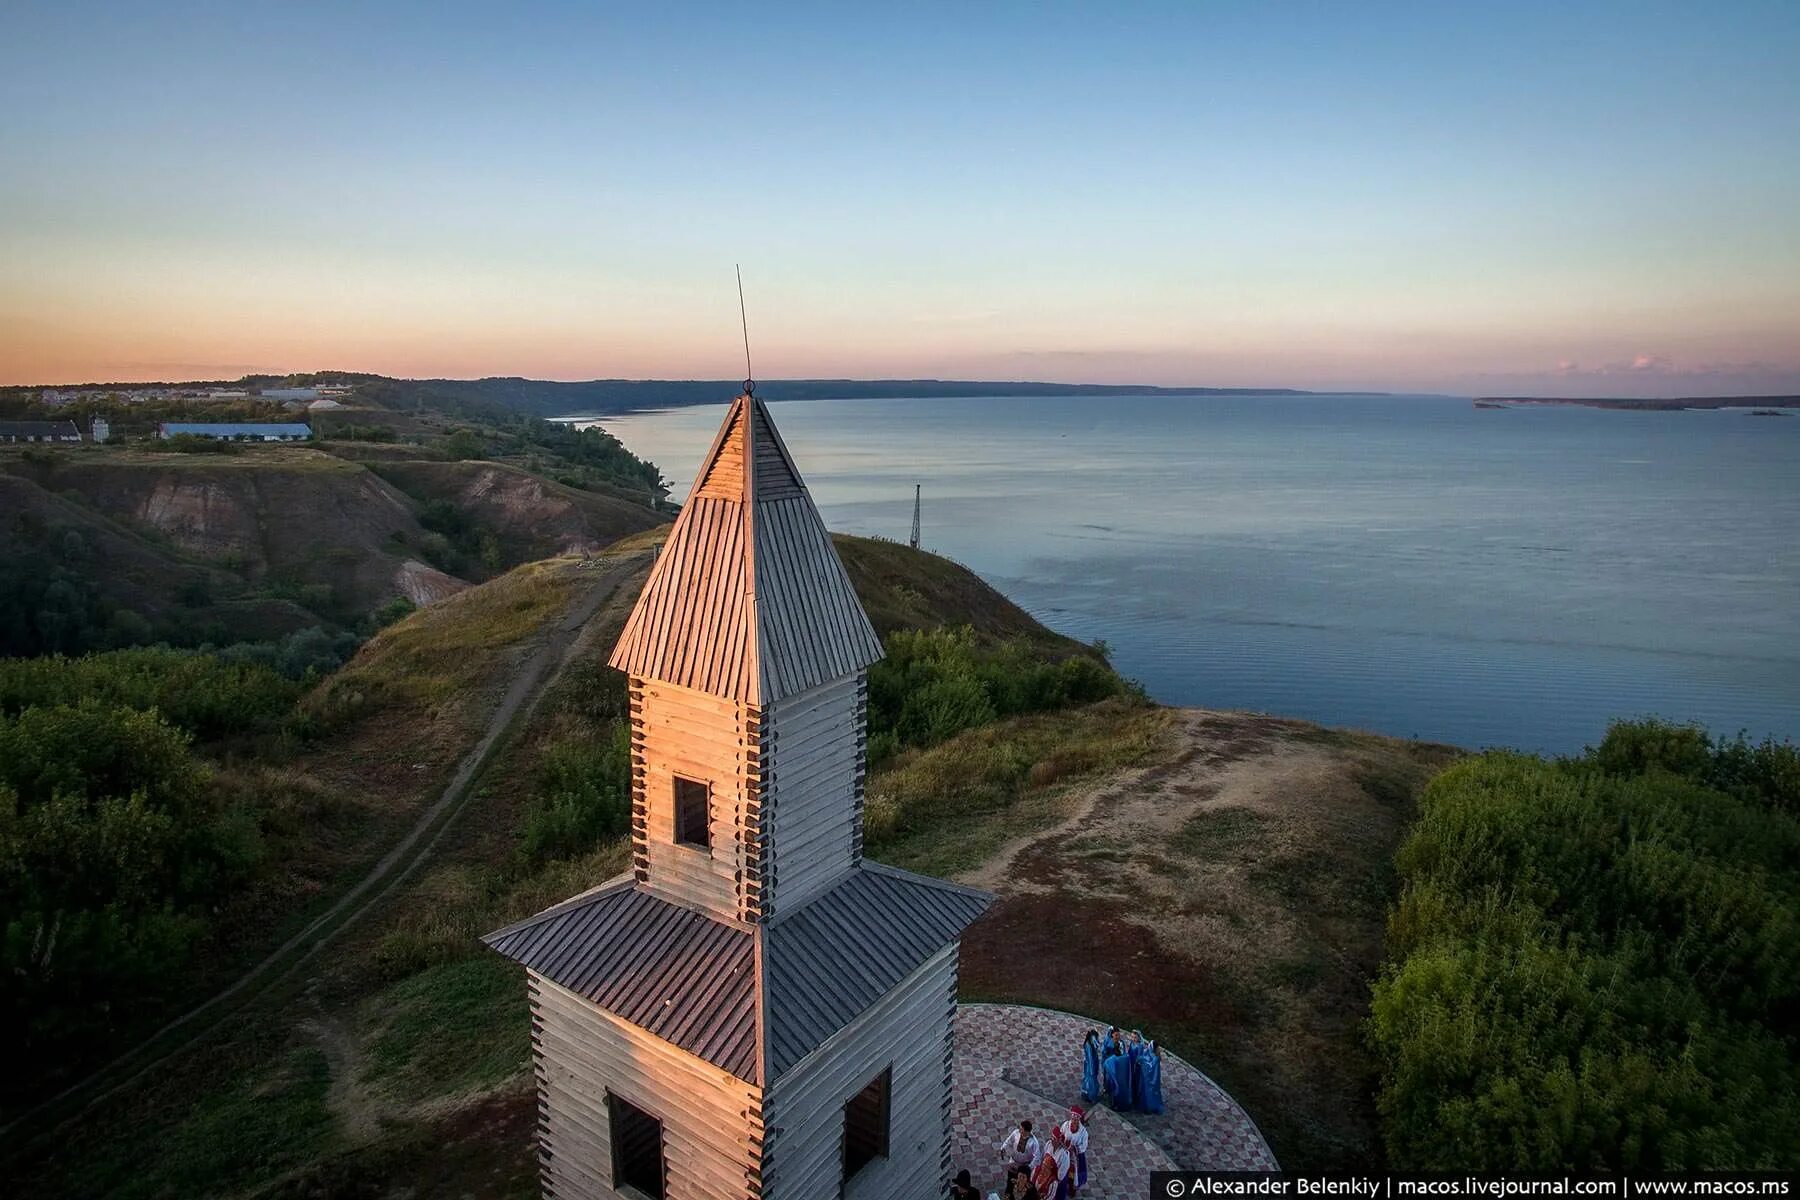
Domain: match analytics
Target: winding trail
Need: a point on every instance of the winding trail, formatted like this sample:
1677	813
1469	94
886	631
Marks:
394	868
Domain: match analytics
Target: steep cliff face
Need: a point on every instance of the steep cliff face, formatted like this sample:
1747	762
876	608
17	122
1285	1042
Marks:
59	555
291	534
424	584
300	521
531	517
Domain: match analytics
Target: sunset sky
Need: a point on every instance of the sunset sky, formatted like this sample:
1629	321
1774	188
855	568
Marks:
1557	197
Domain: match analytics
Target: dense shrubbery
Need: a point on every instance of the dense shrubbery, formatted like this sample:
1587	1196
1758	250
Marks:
461	542
597	455
193	443
934	684
50	599
53	601
115	840
1765	772
584	796
301	654
209	697
1596	963
111	842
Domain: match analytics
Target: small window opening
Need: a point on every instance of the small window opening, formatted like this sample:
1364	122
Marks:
866	1125
693	826
637	1148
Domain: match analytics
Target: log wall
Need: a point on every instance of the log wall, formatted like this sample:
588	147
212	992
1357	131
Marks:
712	1121
677	731
814	748
909	1030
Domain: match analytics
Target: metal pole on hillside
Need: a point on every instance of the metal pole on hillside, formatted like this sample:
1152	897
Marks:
915	532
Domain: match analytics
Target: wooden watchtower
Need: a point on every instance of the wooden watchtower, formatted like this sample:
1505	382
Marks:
754	1011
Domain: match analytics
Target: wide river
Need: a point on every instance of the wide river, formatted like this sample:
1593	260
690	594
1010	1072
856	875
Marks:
1411	565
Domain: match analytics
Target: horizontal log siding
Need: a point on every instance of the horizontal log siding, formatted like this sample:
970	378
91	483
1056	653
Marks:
911	1029
712	1122
812	751
678	731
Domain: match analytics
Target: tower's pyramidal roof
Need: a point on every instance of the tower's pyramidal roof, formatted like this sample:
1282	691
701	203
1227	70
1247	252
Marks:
748	599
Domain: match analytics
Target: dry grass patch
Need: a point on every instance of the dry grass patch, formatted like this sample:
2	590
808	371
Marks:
1228	895
948	808
435	656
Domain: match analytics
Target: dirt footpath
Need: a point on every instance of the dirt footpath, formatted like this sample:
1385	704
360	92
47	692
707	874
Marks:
1228	897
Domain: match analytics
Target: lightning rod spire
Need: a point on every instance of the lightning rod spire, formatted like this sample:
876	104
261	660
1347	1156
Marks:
744	319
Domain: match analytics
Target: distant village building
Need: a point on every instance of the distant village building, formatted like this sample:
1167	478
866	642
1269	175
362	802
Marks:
754	1010
246	431
100	429
39	431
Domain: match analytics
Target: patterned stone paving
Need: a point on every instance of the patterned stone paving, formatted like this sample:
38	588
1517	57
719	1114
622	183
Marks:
1014	1062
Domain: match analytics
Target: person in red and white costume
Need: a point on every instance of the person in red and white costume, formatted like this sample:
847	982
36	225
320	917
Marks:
1051	1179
1074	1133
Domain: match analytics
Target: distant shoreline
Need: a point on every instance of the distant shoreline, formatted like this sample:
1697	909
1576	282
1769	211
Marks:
1671	404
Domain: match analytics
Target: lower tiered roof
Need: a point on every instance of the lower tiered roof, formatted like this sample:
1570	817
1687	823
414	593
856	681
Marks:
692	978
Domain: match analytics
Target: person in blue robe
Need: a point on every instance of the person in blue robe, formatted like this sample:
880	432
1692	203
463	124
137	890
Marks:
1149	1077
1090	1066
1116	1067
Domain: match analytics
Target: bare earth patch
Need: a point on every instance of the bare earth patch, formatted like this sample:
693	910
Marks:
1228	896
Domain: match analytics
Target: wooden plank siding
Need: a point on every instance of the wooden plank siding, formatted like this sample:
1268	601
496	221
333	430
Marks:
909	1030
677	731
785	798
712	1122
813	750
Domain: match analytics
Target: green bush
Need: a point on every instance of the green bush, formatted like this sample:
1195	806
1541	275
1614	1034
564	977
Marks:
584	796
193	443
933	684
1595	964
112	843
1633	747
1767	772
397	609
464	444
208	696
302	654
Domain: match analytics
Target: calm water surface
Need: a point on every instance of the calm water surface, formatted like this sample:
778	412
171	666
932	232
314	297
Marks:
1409	565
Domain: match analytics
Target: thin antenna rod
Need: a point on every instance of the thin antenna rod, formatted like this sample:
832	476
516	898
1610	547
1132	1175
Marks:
749	375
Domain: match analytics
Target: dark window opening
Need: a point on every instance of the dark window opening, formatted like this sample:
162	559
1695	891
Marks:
637	1147
866	1125
692	828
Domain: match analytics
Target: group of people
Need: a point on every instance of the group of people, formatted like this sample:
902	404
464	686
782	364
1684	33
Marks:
1126	1071
1037	1168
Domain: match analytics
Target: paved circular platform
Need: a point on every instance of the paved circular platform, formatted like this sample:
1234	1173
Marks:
1014	1063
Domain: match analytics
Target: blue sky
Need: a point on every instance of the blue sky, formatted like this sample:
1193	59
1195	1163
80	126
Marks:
1599	198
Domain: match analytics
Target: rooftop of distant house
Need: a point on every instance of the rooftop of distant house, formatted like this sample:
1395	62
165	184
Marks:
279	430
39	431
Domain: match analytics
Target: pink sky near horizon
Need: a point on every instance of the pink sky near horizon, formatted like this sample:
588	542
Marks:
1538	197
226	331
